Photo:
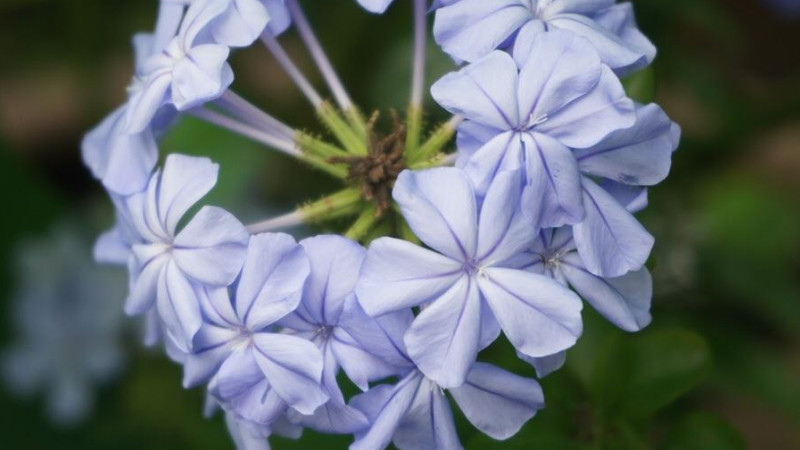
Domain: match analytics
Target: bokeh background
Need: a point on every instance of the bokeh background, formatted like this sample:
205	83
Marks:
719	368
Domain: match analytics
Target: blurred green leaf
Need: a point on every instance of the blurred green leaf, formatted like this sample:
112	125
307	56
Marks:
641	86
635	377
704	431
750	253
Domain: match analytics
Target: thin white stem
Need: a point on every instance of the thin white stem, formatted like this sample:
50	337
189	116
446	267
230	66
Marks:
290	220
253	115
291	69
318	55
420	35
278	143
454	122
450	159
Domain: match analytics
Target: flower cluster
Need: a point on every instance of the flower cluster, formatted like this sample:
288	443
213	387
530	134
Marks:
553	159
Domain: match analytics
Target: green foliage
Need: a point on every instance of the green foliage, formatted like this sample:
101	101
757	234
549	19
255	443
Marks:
704	431
635	377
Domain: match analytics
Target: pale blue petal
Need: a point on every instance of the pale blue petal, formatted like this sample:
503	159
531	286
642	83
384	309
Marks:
241	23
490	329
245	435
202	75
625	300
470	29
443	340
217	308
143	105
552	195
573	71
576	6
382	337
498	402
272	280
279	18
375	6
614	51
503	152
211	346
470	138
539	316
484	92
293	367
241	387
546	365
640	155
212	247
428	423
170	15
111	247
285	428
358	363
184	181
620	20
589	119
439	206
335	266
179	306
385	406
122	161
610	240
398	274
503	230
145	285
335	416
632	198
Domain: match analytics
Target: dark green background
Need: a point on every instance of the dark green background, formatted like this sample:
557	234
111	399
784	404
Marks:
719	369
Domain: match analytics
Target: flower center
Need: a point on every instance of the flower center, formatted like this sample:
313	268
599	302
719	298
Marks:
322	333
538	7
534	121
474	269
551	261
376	173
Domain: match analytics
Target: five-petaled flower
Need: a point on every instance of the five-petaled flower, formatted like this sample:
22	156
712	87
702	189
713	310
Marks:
465	285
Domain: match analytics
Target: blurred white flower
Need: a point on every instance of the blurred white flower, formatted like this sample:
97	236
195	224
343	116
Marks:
66	313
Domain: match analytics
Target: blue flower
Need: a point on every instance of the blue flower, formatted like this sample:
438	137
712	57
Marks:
531	118
258	374
560	126
463	282
610	240
187	72
330	317
471	29
415	413
625	300
170	266
123	161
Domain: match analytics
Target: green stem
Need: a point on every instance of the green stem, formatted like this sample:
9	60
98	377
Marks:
317	147
363	224
349	139
336	171
413	129
357	122
435	143
346	202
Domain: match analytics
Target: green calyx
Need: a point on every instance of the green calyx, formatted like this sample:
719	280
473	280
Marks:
368	163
